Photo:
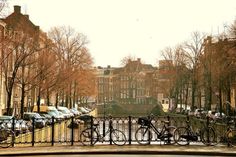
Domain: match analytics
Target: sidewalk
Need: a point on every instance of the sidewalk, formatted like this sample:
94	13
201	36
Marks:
111	149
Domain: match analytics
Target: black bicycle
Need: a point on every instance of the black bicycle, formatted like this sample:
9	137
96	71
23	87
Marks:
184	135
7	137
92	135
144	133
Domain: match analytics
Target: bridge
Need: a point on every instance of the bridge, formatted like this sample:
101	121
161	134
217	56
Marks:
63	133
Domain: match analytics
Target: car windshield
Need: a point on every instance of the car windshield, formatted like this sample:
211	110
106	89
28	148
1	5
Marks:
6	117
51	113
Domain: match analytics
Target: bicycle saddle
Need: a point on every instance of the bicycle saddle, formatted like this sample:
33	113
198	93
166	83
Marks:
165	121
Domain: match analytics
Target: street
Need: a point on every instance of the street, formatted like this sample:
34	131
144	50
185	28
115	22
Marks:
124	155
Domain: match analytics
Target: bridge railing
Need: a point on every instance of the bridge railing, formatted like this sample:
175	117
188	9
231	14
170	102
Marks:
67	131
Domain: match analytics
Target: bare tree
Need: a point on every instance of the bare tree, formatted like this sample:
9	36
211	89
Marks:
193	49
177	79
16	49
72	56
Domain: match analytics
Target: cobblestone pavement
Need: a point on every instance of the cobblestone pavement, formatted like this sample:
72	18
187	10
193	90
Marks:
111	149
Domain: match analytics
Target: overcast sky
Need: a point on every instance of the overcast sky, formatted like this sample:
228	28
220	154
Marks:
139	28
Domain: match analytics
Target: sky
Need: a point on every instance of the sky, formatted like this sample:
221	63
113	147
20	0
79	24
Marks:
138	28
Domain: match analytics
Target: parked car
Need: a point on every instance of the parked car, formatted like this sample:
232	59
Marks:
38	120
83	110
198	113
217	116
65	111
75	112
20	126
47	117
56	115
54	112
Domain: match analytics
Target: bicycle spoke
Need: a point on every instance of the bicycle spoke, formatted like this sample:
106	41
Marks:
118	137
143	136
85	137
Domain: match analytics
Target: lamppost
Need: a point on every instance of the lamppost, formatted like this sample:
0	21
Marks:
29	103
15	106
104	107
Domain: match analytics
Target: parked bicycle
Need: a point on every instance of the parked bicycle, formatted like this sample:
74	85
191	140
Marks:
7	136
228	135
92	135
144	133
184	135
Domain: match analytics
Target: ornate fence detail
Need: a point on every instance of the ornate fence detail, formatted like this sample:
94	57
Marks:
67	131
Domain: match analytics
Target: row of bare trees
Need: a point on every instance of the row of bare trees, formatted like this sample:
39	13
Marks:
202	68
42	66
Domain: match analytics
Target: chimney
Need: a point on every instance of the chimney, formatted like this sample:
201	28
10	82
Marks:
17	9
27	16
37	28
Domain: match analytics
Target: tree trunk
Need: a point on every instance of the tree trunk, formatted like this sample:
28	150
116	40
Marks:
38	100
56	100
48	98
9	94
22	101
193	94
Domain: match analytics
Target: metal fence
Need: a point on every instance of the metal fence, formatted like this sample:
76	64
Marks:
67	131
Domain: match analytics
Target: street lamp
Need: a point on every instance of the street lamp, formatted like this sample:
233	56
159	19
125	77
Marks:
15	106
104	107
29	103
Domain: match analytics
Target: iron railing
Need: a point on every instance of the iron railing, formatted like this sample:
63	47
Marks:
67	131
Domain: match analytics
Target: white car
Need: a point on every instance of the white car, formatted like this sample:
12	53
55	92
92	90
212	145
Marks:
65	111
83	110
198	113
217	115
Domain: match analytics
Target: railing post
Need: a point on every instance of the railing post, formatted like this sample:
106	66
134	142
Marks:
53	126
228	126
13	130
130	129
91	123
103	126
168	124
208	129
72	130
149	131
187	124
33	133
110	127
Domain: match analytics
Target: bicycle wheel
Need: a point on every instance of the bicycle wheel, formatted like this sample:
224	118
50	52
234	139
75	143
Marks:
208	136
143	135
118	137
6	138
168	135
181	135
85	137
231	137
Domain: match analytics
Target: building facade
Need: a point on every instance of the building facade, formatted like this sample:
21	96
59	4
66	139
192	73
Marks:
20	38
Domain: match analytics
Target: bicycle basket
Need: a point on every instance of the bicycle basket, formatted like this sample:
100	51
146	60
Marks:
143	121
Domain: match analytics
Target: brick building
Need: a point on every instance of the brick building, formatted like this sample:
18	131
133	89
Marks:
16	28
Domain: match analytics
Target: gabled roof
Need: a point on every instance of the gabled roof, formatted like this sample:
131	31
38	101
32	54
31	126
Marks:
18	21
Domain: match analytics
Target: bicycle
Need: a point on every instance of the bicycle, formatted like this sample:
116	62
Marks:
7	137
185	134
229	137
143	135
208	133
91	135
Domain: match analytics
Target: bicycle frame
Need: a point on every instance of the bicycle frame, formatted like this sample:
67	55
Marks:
103	135
156	130
158	133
